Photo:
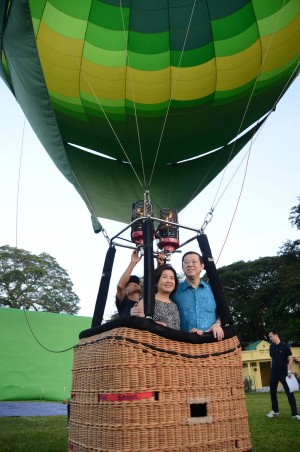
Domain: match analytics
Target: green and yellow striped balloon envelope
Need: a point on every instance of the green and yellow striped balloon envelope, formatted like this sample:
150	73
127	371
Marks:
151	84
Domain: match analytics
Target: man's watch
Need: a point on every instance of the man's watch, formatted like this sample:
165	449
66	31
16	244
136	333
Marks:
218	323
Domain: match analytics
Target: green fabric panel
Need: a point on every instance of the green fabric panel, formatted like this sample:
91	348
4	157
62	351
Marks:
219	8
78	8
108	16
28	372
57	20
144	62
149	43
107	57
238	43
112	186
3	64
266	9
269	25
31	92
109	39
37	8
234	24
150	21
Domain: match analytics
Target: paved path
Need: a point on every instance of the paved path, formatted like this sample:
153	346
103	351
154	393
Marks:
32	409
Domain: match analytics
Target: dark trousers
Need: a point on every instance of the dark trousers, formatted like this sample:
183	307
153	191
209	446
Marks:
274	380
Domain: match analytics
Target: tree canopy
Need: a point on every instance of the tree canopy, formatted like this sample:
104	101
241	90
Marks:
32	282
265	293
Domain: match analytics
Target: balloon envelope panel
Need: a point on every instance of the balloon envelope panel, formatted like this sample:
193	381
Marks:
149	83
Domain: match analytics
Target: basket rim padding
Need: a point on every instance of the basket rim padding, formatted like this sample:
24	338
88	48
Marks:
150	325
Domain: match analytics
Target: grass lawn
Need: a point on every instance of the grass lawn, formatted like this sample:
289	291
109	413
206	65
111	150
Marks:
281	434
50	434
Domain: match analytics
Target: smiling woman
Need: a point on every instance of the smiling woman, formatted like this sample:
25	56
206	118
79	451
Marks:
165	311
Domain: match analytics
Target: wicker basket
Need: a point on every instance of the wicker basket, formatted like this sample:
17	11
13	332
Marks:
134	390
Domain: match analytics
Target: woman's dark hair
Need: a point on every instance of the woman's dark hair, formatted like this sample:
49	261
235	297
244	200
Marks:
157	274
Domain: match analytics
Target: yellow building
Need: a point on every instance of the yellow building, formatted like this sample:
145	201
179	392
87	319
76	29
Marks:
257	363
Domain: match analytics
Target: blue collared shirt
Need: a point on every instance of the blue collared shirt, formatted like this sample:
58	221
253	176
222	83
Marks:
197	307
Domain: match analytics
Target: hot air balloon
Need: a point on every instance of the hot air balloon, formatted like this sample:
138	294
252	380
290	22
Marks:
148	85
135	99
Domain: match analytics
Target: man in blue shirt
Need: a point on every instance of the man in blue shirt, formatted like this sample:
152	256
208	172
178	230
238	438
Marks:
195	300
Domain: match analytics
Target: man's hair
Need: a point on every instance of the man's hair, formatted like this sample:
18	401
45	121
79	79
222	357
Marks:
274	332
157	274
193	252
133	279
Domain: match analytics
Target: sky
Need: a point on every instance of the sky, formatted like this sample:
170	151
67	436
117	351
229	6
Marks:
40	211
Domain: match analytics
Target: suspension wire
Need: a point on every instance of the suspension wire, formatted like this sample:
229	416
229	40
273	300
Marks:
84	193
19	180
112	128
172	92
132	91
214	203
248	157
249	100
238	201
36	339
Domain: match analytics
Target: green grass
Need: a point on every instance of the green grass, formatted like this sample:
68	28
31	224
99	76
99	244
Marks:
33	434
50	434
281	434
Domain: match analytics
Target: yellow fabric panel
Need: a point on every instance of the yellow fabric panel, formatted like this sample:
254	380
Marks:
148	87
61	47
60	62
195	82
237	70
281	47
61	80
109	83
152	87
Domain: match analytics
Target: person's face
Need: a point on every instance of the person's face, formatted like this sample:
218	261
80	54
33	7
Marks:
166	282
273	337
192	266
132	288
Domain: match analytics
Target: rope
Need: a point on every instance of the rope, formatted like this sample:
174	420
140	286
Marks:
249	101
110	125
19	179
238	201
133	96
214	203
36	339
172	92
113	130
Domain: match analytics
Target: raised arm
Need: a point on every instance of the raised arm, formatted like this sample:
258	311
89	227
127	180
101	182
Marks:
135	258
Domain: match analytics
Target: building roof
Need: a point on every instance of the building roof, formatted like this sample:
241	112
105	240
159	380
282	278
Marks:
254	345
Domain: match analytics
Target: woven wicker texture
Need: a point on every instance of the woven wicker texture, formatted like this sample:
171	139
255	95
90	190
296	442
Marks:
137	391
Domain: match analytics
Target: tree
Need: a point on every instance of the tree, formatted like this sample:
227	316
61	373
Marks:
295	215
35	282
290	248
263	294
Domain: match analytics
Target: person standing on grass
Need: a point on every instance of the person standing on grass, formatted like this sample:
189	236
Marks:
281	367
